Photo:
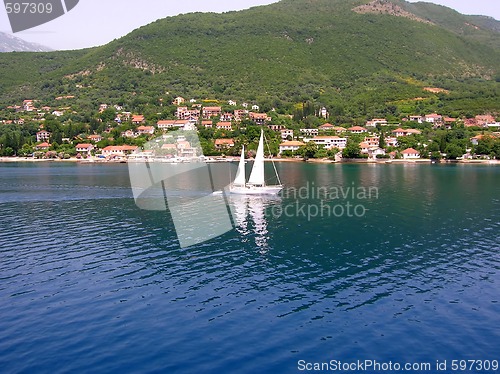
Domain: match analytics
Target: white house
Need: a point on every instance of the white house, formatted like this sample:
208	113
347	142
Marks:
84	148
434	118
231	102
255	107
328	142
42	136
376	121
119	150
357	129
309	132
410	153
290	146
224	143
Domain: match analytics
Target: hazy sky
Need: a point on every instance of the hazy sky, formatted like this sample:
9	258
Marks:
97	22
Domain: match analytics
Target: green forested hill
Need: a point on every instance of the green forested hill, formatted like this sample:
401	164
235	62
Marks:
280	54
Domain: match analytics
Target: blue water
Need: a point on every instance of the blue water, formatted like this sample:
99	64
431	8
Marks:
91	283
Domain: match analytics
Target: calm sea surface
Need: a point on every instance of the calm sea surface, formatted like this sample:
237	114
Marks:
91	283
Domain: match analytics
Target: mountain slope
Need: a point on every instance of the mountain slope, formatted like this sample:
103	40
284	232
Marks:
10	43
288	52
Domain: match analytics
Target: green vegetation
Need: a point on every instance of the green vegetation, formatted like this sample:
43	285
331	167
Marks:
292	58
357	65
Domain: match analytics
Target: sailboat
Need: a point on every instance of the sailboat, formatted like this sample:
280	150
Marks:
256	185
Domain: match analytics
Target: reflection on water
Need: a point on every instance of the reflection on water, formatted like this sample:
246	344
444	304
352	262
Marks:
249	216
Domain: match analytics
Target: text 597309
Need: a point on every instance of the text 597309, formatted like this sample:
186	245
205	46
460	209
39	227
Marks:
28	8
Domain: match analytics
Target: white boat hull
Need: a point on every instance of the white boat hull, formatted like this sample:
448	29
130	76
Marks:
255	190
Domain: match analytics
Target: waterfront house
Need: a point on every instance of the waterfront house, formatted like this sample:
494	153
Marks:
119	150
84	148
43	146
373	152
328	142
224	143
290	146
410	153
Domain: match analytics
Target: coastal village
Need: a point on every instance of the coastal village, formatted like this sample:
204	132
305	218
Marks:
224	126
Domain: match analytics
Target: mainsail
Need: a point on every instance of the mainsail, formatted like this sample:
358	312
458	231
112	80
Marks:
257	177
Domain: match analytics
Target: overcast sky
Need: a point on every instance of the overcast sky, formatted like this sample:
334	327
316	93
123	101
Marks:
97	22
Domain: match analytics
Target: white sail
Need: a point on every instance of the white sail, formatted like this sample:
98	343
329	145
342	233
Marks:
240	175
257	177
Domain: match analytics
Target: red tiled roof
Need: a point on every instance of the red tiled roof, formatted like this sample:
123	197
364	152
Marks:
410	151
224	141
292	143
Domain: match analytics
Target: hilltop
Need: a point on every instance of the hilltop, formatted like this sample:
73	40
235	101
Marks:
10	43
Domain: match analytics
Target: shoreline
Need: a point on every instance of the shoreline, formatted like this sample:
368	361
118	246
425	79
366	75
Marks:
236	159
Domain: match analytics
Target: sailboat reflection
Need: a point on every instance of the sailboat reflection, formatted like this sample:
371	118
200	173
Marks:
249	216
